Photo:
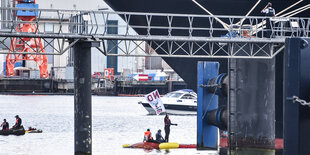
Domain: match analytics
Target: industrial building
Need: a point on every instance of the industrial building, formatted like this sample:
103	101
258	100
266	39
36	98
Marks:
62	65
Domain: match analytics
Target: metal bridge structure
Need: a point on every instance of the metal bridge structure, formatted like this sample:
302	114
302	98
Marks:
218	37
169	35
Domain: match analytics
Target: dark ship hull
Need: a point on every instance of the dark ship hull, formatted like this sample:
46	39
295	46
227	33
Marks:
218	7
184	66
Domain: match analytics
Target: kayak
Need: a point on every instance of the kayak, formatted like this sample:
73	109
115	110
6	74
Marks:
143	145
153	145
17	132
34	131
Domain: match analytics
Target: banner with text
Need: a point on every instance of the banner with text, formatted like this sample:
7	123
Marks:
154	100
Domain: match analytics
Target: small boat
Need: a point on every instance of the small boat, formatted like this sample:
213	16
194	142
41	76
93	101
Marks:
181	102
34	131
154	145
17	132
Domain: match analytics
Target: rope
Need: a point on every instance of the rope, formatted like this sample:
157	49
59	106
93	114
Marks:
203	116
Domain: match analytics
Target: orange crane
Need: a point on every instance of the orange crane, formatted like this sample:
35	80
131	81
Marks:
29	46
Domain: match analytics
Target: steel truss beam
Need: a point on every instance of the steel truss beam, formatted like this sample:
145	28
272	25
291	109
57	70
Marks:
177	35
195	49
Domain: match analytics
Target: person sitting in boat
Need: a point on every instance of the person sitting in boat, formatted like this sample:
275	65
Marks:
5	125
159	137
148	136
18	122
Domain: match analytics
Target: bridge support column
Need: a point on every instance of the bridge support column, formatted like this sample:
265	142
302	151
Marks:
297	83
82	97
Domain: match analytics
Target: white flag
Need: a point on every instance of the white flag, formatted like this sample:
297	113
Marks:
154	100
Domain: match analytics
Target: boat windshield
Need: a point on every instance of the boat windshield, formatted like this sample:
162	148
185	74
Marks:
173	95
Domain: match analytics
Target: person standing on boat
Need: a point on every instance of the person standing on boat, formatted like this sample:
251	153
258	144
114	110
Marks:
159	137
18	122
270	12
5	125
167	127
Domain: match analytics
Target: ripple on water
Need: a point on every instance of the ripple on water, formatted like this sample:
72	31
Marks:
116	121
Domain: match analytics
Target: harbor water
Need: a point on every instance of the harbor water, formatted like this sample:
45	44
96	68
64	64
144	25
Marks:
115	121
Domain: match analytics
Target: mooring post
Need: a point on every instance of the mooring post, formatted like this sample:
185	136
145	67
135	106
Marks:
82	97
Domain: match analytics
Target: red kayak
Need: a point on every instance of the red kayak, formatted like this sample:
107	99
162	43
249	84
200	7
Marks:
189	146
145	145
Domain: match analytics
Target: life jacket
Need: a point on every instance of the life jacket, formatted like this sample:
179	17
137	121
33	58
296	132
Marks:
18	121
167	121
6	126
147	135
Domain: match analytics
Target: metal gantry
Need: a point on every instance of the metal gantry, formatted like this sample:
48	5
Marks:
170	35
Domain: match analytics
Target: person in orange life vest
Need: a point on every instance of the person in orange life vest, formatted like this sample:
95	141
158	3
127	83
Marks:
5	125
18	122
167	127
147	136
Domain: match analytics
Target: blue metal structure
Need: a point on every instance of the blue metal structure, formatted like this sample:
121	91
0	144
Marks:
207	135
17	64
27	4
27	12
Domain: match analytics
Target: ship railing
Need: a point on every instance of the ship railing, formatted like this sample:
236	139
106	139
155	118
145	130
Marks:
179	35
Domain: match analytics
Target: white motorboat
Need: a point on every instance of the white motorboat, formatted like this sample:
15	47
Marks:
181	102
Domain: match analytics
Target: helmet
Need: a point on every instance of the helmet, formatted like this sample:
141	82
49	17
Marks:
16	116
148	129
159	130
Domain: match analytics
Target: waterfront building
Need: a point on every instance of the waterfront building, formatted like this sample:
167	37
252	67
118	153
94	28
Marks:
61	63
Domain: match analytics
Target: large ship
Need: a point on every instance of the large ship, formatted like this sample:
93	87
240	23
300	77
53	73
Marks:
218	7
300	8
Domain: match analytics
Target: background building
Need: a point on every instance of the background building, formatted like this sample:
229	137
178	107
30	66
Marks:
63	64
